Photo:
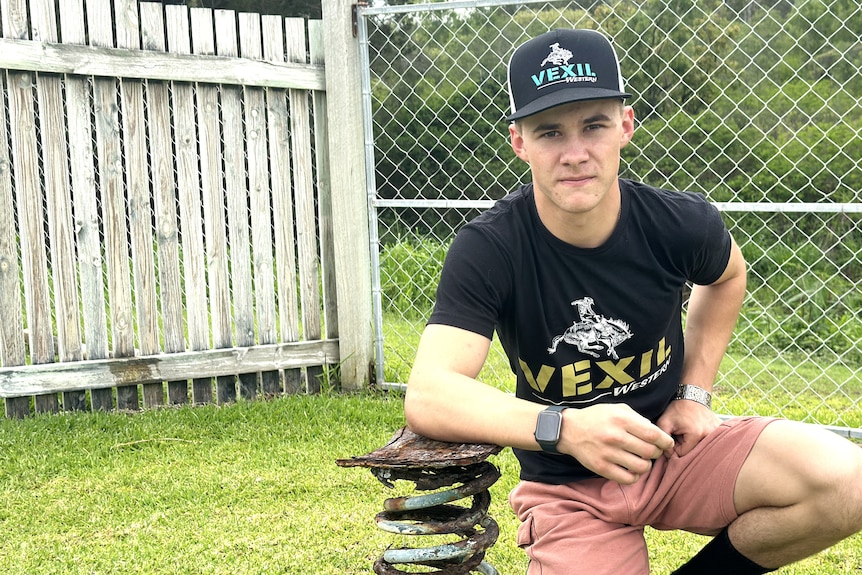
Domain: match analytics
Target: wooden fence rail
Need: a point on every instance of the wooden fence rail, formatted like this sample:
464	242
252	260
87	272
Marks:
164	217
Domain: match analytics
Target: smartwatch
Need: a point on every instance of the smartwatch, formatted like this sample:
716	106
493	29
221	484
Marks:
548	427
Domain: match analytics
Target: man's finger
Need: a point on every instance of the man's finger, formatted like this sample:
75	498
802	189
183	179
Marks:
654	435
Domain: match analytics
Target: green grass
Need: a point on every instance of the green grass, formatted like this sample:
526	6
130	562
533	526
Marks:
248	488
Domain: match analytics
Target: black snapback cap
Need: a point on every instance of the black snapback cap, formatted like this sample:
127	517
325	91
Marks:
562	66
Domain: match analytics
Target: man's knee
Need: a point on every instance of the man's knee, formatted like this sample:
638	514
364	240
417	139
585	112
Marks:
832	489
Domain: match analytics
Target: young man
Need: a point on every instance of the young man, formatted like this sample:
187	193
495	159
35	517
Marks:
581	274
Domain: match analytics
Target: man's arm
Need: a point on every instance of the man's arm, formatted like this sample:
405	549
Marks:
445	402
712	313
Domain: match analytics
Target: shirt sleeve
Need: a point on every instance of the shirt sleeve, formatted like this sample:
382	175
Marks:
711	259
474	284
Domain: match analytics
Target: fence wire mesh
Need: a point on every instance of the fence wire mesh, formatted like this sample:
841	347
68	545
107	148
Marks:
755	104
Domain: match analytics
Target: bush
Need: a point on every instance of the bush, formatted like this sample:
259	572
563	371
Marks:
409	273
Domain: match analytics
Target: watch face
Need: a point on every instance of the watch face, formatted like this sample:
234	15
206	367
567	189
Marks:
548	426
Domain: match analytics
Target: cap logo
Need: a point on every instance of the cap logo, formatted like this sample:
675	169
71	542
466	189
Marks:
562	70
558	56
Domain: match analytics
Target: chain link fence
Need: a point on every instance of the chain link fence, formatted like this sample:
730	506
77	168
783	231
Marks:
755	104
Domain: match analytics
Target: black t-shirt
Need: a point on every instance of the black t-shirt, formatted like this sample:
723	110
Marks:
584	326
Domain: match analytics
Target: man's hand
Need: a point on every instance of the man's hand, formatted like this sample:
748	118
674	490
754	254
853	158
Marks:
613	440
687	422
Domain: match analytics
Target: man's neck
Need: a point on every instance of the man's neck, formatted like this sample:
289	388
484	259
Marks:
587	229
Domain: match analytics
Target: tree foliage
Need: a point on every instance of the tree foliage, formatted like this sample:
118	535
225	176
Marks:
740	104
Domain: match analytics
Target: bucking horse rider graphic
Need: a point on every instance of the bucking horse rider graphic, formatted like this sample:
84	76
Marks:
593	332
558	55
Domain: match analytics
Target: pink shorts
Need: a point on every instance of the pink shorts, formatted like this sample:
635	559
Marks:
596	526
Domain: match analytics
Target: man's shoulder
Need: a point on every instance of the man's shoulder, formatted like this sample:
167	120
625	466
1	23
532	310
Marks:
507	222
514	205
667	209
652	196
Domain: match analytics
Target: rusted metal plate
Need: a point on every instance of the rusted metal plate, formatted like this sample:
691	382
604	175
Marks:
407	449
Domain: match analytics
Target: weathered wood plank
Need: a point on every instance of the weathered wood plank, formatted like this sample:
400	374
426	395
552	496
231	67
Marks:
72	28
28	193
324	190
278	131
165	200
138	199
257	161
43	28
349	199
236	196
43	21
83	188
190	199
11	305
28	197
11	317
111	185
50	378
13	18
16	54
211	151
300	123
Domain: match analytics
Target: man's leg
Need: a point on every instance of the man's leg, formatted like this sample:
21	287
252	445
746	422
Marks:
797	493
578	529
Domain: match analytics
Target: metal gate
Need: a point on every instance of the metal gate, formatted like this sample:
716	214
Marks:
755	104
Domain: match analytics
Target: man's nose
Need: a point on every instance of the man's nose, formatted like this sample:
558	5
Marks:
575	151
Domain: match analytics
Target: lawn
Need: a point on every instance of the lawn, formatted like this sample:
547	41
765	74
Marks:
247	488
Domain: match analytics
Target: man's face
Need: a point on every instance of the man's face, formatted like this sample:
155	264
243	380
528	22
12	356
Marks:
574	155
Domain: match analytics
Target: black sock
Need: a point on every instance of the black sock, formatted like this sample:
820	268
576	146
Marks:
720	557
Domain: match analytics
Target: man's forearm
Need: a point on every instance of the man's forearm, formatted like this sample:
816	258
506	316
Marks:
712	314
453	407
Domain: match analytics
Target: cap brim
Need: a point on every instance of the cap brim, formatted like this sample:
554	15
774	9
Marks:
561	97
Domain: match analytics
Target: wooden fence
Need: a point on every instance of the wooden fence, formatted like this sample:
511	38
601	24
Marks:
165	229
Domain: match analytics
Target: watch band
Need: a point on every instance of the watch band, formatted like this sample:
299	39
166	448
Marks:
694	393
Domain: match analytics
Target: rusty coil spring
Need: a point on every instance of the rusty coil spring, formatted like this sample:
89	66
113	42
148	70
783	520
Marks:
432	514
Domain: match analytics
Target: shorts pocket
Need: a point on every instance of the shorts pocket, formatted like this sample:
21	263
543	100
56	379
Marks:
526	539
526	532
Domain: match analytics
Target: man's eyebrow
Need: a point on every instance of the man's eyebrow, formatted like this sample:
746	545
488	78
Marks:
546	127
551	126
597	118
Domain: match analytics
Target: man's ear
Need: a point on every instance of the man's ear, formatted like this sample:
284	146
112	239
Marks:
517	141
628	126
